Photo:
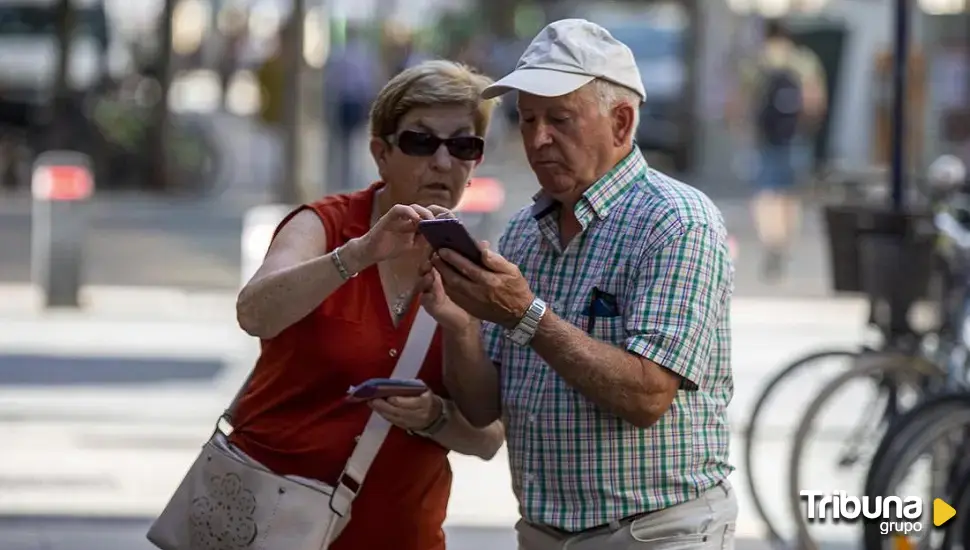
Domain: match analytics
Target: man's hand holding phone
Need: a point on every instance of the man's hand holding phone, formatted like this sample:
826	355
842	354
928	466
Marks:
494	291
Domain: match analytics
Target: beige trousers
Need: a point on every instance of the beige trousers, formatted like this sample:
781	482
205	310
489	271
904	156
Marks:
705	523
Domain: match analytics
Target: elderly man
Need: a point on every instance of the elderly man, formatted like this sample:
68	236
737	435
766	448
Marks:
605	335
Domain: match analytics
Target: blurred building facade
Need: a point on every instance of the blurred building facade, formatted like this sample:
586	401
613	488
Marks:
226	53
854	38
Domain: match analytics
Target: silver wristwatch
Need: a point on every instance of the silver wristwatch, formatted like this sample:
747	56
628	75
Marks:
523	333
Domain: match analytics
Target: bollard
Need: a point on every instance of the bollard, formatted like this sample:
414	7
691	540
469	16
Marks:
61	184
257	232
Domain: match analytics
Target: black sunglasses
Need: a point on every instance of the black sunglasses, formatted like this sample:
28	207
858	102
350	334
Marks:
420	144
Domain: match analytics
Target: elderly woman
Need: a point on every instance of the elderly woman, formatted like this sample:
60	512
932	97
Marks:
333	304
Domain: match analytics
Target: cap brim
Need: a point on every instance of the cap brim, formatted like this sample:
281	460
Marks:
541	82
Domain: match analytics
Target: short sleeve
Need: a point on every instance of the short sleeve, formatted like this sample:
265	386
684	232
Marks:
492	339
677	302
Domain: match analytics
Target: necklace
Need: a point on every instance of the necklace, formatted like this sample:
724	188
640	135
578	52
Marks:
402	298
400	302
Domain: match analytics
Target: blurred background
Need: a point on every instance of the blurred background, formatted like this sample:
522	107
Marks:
195	117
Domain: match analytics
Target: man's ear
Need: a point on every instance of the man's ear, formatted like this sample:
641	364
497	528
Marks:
479	161
624	117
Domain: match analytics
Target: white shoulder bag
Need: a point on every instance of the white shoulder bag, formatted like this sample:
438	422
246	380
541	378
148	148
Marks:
227	501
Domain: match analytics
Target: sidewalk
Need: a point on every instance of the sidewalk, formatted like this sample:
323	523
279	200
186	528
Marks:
54	533
124	324
118	449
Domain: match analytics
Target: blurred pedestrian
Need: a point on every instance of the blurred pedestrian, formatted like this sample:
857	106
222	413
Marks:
352	77
271	76
781	102
604	338
334	303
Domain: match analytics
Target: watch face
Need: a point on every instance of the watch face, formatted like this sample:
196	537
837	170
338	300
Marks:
520	337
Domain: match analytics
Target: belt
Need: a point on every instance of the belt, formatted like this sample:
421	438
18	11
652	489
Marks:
613	525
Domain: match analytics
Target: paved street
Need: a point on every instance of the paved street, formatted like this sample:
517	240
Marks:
85	444
51	533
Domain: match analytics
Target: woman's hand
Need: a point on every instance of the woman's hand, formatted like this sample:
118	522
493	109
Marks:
409	413
396	233
437	303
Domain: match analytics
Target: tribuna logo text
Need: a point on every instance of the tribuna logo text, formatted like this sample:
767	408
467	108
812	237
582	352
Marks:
894	514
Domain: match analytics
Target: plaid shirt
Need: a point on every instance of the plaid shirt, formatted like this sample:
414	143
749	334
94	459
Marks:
660	248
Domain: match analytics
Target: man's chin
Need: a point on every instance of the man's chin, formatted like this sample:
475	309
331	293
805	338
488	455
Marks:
556	185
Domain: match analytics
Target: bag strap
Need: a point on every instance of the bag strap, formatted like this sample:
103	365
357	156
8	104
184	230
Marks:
408	365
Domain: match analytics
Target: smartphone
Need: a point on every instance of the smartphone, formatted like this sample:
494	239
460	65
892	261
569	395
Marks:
451	233
379	388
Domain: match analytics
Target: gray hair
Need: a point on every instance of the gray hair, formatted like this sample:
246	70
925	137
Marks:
609	95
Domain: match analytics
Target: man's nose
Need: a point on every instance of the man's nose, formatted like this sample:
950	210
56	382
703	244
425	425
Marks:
441	158
542	135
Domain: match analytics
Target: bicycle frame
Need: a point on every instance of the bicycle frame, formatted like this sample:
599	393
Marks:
955	246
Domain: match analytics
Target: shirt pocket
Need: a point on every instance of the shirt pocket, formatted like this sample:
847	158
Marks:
611	330
601	313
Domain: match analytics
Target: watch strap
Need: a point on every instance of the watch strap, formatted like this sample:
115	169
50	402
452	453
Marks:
523	332
438	422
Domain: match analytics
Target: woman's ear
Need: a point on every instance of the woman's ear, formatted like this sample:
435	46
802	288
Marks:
380	150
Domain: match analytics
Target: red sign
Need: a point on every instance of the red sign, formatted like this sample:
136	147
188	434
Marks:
62	183
483	195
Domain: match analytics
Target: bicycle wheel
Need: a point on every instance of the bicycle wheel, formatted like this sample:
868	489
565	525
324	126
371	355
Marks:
937	428
958	532
752	429
895	376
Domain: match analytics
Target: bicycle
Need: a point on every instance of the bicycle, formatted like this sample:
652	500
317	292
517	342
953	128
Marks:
940	427
921	376
894	345
923	432
958	533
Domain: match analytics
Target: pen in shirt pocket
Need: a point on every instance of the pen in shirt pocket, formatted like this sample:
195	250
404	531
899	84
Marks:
601	304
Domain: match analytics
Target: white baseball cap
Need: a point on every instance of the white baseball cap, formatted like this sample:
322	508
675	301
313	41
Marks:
567	55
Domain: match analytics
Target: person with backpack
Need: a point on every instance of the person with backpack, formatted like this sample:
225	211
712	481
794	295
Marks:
782	98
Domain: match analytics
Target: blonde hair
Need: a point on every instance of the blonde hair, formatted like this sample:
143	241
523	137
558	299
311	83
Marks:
430	84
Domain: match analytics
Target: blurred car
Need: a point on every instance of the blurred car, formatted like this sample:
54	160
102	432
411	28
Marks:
659	54
658	35
28	49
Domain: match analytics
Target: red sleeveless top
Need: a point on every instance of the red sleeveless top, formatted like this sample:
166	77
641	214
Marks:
293	418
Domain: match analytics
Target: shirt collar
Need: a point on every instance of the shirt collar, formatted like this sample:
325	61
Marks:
600	197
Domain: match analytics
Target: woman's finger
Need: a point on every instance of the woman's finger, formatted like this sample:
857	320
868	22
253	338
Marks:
441	212
463	265
409	403
382	406
422	212
447	272
425	283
